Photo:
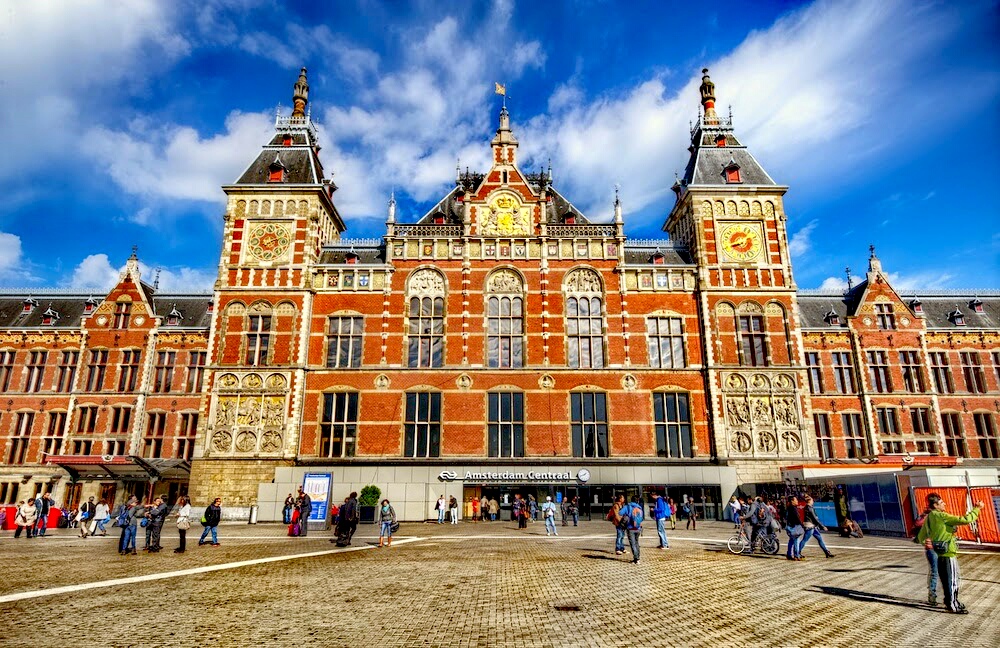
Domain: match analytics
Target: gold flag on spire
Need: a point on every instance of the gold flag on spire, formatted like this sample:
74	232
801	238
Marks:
500	90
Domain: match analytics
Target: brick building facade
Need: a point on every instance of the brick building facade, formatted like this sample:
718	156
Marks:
502	342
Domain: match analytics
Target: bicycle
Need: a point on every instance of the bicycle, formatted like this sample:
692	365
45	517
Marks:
767	542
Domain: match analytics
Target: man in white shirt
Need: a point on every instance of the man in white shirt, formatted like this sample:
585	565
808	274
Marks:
549	515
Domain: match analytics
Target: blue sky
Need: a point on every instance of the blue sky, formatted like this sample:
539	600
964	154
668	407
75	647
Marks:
121	121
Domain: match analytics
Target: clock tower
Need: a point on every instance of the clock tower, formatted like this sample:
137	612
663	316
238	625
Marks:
729	213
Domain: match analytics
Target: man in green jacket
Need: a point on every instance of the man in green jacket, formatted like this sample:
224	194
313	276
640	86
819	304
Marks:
938	533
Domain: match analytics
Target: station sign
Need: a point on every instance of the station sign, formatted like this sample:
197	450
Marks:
508	476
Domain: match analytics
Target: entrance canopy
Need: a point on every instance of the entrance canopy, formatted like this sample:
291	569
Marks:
120	468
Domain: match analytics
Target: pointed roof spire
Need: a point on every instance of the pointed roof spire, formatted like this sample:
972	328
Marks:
300	95
707	90
391	218
618	207
874	265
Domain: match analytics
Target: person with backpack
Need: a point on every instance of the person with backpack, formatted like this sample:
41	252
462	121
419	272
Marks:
630	521
661	513
128	518
938	533
549	515
692	514
211	519
614	517
760	519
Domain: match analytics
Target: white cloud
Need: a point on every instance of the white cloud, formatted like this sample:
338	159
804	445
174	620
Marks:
10	251
834	283
921	281
801	241
96	272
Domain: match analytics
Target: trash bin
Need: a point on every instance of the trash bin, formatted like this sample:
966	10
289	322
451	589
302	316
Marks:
253	514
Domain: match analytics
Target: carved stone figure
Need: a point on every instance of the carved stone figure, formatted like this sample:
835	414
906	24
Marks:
784	411
629	382
505	281
274	411
270	441
246	442
249	412
583	280
761	410
741	441
381	382
767	441
222	442
738	411
426	282
792	441
225	416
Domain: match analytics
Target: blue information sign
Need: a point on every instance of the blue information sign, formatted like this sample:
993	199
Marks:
317	487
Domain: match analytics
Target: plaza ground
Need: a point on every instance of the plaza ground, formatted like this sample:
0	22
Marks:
483	585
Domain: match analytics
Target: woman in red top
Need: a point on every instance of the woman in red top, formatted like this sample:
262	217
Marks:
475	508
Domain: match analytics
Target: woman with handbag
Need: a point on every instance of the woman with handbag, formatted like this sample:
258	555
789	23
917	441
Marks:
794	529
938	533
387	516
27	515
183	521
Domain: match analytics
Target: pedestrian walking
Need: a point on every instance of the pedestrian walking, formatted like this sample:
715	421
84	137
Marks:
692	514
736	510
532	508
156	517
183	522
661	513
102	515
630	520
813	527
475	508
673	513
938	533
304	506
549	515
453	509
760	519
932	559
574	510
563	510
614	517
494	509
442	506
128	523
25	518
84	515
794	529
210	520
43	504
286	511
484	507
387	518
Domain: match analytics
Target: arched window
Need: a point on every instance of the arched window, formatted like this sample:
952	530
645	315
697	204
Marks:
584	319
425	338
505	320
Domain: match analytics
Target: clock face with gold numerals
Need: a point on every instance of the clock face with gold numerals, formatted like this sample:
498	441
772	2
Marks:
268	242
741	242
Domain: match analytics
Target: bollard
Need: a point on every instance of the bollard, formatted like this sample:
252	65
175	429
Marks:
253	514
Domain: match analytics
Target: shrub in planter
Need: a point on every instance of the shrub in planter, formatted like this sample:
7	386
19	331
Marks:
368	501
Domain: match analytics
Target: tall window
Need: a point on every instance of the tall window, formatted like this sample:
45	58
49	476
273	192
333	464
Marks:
129	370
505	331
86	421
824	441
185	436
987	434
585	332
913	378
121	420
338	431
95	370
884	317
115	447
941	373
996	365
920	419
815	373
843	373
67	370
36	371
426	333
343	342
258	340
972	371
164	371
152	442
196	371
8	493
954	437
6	369
18	449
589	416
505	422
854	436
888	426
422	425
672	425
52	442
123	311
665	337
878	372
752	341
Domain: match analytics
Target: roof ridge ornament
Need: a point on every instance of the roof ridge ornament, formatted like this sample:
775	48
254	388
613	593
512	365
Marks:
300	95
707	91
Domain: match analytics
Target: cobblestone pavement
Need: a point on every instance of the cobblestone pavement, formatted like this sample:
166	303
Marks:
484	585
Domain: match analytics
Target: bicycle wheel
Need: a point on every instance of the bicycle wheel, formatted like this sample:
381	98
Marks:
770	545
737	544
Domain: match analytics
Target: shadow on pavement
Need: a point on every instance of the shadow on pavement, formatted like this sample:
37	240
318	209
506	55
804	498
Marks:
601	557
871	597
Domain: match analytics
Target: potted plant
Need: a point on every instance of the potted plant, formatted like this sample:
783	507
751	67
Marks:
368	502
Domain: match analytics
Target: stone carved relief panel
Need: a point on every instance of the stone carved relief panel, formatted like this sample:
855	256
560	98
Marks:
761	413
249	414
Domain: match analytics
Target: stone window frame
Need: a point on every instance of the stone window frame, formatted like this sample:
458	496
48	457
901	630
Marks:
659	406
355	338
422	423
499	286
673	338
574	294
35	370
347	424
498	426
426	283
595	422
954	434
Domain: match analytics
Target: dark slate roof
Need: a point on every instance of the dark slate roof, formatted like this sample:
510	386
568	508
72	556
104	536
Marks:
301	166
366	255
937	306
193	310
643	254
707	162
70	306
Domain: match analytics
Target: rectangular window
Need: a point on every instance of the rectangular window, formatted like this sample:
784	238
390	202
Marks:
996	365
6	369
18	449
36	371
186	435
913	377
426	332
152	442
854	436
95	371
121	420
815	373
884	317
878	372
343	342
585	332
52	442
888	425
338	431
987	434
505	332
954	437
941	373
164	376
843	373
665	337
67	370
752	340
8	493
672	425
115	447
422	425
129	370
920	419
81	447
196	371
122	312
86	421
972	371
505	423
824	441
258	340
589	417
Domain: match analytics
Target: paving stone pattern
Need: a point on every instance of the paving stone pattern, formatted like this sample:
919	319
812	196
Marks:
492	585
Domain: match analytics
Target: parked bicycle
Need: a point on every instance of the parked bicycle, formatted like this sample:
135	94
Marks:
767	542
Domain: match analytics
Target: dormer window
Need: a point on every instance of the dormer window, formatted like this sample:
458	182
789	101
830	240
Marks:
732	172
569	219
276	171
957	317
286	140
918	308
174	317
720	140
49	317
657	258
211	308
89	306
438	218
832	318
351	258
28	305
976	305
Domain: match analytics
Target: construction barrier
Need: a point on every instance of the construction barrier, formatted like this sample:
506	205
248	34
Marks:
957	501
